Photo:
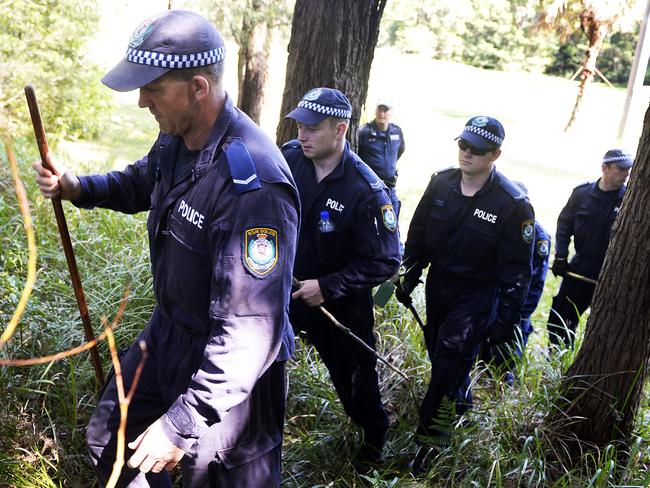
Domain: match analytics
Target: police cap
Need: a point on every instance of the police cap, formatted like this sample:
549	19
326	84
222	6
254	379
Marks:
483	132
620	158
320	103
175	39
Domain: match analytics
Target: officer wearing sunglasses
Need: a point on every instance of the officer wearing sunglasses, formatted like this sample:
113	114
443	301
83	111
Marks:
474	230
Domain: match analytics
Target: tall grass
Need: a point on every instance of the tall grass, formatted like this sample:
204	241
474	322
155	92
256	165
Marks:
505	441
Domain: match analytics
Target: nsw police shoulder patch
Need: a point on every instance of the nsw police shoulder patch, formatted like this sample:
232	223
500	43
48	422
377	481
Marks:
389	218
528	230
260	250
543	247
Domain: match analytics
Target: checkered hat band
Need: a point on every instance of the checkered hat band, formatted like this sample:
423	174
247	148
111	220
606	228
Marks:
162	60
331	111
485	134
613	159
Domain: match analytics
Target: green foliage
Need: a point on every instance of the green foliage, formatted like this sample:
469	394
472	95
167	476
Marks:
46	408
614	61
42	43
232	16
495	34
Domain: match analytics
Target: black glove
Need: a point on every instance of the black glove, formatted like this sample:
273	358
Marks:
560	267
500	333
403	290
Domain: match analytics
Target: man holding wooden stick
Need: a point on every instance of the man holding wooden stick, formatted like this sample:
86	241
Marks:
223	218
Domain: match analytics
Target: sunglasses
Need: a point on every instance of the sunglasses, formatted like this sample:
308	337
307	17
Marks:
464	146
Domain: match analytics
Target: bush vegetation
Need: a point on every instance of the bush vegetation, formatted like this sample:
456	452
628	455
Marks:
504	441
501	34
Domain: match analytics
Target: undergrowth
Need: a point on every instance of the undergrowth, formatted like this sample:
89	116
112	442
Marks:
505	441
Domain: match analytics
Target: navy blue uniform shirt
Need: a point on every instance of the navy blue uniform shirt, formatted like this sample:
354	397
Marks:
541	254
487	238
381	149
222	238
363	249
588	217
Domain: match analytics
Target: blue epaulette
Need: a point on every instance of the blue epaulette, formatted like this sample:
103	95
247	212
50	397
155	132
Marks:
292	144
444	170
242	167
511	189
583	184
369	175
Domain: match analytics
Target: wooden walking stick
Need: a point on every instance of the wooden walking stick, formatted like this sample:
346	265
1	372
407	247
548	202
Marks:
43	148
334	321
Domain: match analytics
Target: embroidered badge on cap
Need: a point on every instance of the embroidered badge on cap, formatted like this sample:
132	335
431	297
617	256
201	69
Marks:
543	248
480	121
141	33
260	250
388	216
528	230
312	95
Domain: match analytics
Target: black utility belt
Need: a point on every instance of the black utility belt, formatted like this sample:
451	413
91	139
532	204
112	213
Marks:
391	183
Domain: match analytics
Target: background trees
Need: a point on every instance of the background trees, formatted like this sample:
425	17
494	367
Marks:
252	24
44	42
332	44
595	18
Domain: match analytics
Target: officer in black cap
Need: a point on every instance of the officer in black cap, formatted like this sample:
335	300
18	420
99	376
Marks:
223	220
475	230
381	144
348	244
587	217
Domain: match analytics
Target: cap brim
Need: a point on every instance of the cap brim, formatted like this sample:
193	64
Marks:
306	116
476	140
127	76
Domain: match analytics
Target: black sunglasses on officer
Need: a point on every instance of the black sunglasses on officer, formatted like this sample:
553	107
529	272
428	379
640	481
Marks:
463	145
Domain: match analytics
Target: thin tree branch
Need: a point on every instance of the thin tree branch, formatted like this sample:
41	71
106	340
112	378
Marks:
21	195
73	351
124	401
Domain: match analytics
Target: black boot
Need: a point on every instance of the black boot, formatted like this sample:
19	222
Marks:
370	453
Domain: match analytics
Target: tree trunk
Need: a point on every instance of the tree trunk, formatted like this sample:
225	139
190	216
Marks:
596	31
605	382
332	44
253	61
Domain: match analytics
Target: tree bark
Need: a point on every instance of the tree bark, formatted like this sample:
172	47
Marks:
253	61
605	382
332	44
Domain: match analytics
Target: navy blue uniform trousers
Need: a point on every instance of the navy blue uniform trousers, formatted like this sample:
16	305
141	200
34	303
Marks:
207	463
569	304
458	314
351	367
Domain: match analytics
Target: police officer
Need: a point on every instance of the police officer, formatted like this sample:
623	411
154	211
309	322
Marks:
502	356
475	230
223	219
348	243
587	217
381	144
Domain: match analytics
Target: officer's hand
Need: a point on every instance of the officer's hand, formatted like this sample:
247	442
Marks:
500	333
560	267
309	291
154	451
66	187
403	290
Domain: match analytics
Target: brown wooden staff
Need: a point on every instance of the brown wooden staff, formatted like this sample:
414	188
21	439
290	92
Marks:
334	321
43	148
